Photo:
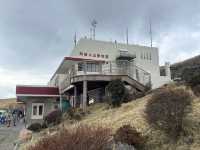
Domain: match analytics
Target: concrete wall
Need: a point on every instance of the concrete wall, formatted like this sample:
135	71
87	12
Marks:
49	104
147	58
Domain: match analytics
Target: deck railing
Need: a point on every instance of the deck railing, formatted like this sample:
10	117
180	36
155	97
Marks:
111	68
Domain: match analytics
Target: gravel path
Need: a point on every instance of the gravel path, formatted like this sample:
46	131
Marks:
8	136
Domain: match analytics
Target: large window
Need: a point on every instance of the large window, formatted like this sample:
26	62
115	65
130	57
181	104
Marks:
37	110
80	67
93	67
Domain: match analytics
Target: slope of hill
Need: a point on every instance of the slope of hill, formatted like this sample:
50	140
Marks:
9	103
133	113
177	68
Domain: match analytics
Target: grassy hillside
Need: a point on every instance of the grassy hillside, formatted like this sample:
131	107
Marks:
133	113
6	103
178	68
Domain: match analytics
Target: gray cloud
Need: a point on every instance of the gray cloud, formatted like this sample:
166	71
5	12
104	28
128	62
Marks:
36	35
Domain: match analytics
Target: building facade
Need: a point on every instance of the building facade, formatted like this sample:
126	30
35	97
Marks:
98	62
82	77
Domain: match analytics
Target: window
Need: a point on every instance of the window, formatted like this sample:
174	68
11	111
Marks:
89	67
34	110
94	55
107	56
147	56
85	54
150	55
37	110
90	54
93	67
80	67
40	110
81	53
98	55
102	56
141	56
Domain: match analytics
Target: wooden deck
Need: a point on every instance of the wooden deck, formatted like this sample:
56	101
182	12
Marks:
124	78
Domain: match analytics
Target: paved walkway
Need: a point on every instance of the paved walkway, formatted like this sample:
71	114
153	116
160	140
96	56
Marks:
8	136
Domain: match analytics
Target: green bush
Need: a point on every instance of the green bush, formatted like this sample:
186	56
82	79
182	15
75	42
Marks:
53	117
129	135
191	76
78	138
116	91
35	127
166	109
196	90
75	114
127	97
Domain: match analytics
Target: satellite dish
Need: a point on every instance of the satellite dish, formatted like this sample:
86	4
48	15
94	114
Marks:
94	23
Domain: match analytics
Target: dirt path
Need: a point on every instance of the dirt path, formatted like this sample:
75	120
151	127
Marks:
8	136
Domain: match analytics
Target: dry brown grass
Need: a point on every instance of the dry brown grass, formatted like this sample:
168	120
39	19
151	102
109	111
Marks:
133	113
80	138
9	103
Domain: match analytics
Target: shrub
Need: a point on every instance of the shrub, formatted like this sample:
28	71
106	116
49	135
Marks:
195	80
79	138
166	109
75	114
116	91
127	97
129	135
196	90
191	76
53	117
35	127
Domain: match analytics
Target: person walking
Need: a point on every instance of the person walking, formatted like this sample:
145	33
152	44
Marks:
8	119
14	115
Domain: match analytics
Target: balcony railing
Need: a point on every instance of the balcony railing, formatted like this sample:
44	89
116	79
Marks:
112	68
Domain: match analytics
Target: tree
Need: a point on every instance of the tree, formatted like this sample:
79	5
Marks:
116	92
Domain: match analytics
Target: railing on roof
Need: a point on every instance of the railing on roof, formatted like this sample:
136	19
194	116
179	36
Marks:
124	55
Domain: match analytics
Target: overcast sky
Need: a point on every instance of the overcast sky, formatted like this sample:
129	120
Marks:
35	35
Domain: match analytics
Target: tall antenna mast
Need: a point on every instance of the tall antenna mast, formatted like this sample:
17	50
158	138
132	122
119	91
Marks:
150	32
75	40
127	36
94	24
91	33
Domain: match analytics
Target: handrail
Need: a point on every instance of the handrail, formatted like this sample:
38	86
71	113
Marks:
112	68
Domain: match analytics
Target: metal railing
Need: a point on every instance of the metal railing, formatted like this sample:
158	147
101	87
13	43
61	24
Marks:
112	68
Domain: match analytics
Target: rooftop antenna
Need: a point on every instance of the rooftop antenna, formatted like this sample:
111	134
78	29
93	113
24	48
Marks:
94	24
127	36
150	32
75	40
91	33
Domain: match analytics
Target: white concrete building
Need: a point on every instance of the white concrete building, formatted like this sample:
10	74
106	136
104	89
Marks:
94	62
82	77
146	58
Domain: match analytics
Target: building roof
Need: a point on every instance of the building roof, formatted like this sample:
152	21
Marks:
37	91
69	61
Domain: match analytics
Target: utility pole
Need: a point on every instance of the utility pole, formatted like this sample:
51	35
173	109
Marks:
127	36
75	40
150	32
94	24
